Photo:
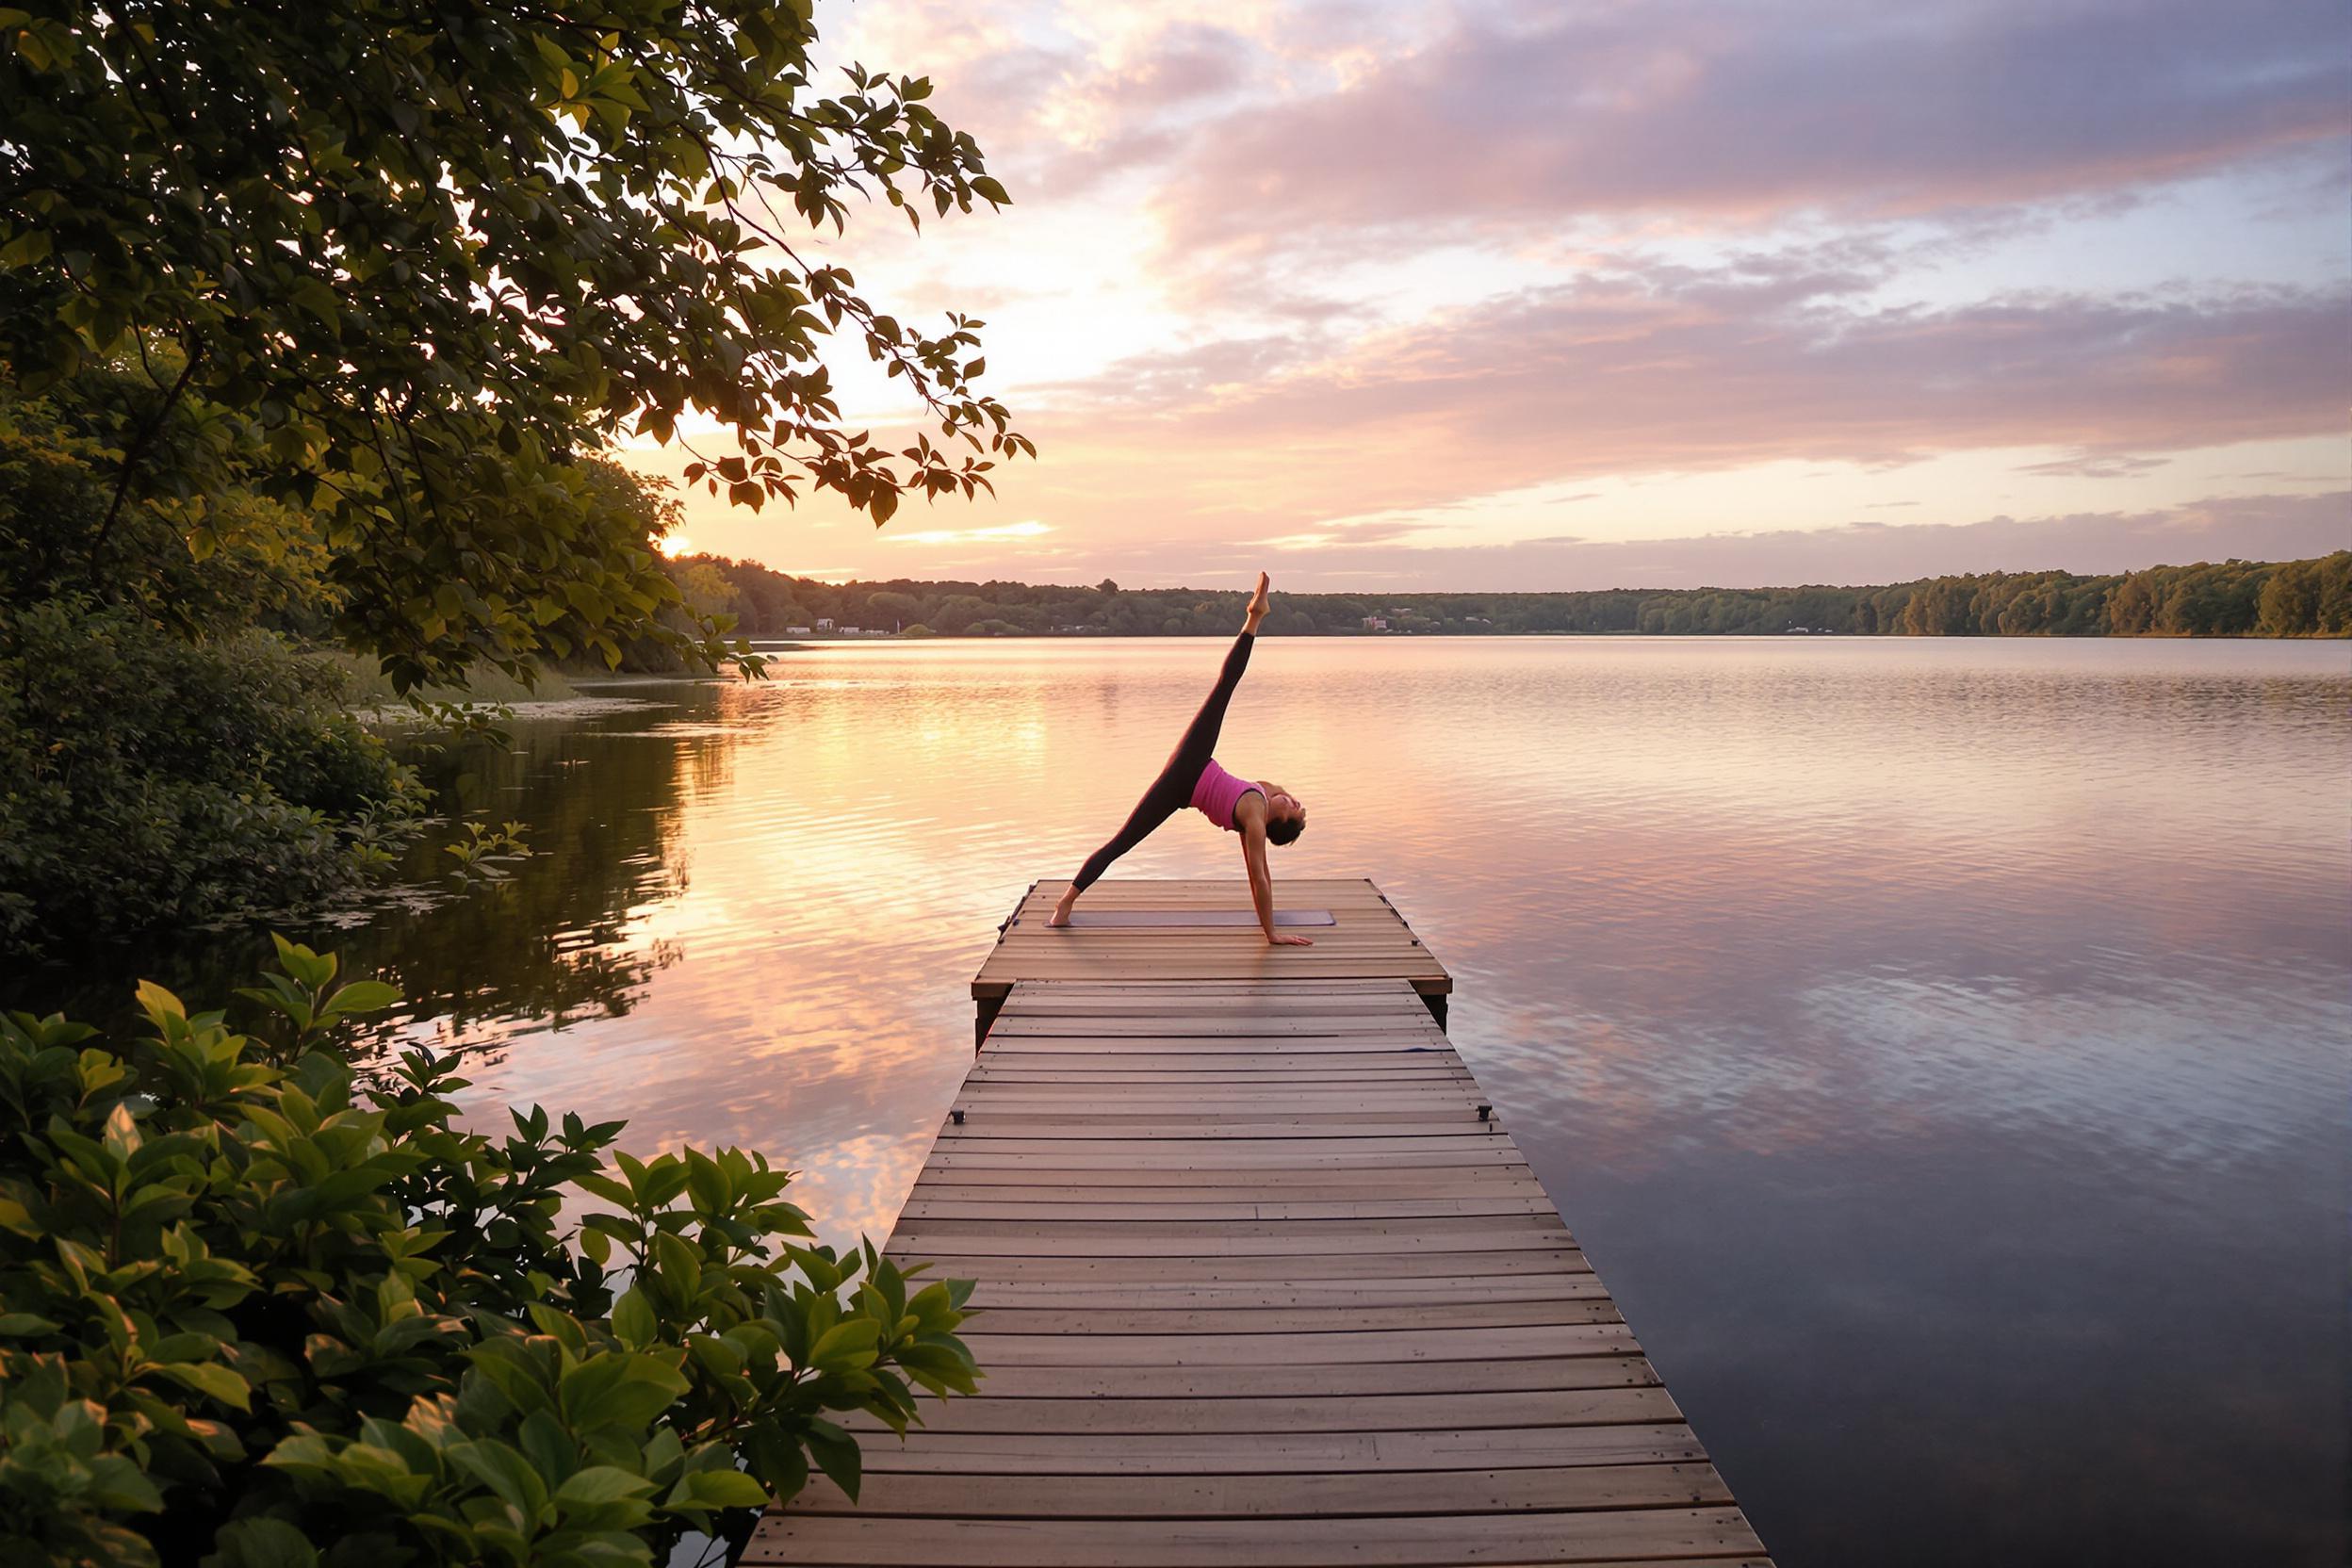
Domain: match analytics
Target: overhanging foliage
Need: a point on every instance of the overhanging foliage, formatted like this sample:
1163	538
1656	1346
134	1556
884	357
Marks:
400	265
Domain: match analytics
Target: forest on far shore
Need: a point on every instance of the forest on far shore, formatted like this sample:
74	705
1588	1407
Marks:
2230	598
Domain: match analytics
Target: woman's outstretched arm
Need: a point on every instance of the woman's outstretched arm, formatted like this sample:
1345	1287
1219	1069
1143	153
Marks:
1250	817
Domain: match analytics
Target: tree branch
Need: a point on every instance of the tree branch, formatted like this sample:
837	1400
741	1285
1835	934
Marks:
137	449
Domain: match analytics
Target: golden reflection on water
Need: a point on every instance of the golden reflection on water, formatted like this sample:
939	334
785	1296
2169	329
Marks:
1865	1000
1623	848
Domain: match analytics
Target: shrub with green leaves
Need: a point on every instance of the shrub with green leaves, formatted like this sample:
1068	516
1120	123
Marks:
258	1307
148	781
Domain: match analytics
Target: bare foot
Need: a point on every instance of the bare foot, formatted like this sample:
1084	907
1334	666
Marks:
1061	911
1257	601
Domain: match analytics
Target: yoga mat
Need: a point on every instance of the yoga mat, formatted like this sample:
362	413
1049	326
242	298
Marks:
1196	917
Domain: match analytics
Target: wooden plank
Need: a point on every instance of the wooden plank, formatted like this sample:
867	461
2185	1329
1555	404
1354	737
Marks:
1271	1127
1324	1414
1563	1489
1318	1379
1254	1281
1222	1268
996	1316
1088	1073
921	1208
1278	1453
1329	1347
1399	1045
1518	1538
1477	1153
1362	1298
1300	1244
1236	965
1299	1187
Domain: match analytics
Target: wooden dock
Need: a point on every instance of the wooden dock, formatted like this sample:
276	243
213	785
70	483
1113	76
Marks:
1365	940
1262	1280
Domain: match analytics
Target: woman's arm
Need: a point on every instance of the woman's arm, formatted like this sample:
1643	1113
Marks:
1262	881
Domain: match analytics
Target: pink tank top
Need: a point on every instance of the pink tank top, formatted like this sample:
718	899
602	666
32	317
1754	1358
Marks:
1217	794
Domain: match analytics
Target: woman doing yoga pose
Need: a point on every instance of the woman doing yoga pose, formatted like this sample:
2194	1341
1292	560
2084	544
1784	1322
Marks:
1258	811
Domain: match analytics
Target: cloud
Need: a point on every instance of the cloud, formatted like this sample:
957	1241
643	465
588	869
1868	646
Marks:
1679	370
1537	112
1349	534
1030	529
2261	527
2089	466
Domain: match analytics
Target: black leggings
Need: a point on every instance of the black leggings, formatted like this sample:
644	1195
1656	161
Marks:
1172	790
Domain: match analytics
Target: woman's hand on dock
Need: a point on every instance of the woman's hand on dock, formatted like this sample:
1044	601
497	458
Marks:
1283	938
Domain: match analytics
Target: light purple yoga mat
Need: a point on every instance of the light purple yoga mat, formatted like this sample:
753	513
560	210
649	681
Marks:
1196	917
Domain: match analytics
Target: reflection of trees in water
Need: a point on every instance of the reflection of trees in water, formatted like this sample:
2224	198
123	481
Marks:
602	799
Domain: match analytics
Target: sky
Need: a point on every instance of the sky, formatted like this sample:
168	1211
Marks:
1632	293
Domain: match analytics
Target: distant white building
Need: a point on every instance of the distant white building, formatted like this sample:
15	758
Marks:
825	624
847	630
1375	623
795	631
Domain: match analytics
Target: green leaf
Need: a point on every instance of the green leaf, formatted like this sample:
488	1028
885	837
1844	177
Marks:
505	1472
619	1391
602	1484
25	249
261	1541
634	1320
846	1347
680	1265
212	1378
360	996
837	1454
715	1488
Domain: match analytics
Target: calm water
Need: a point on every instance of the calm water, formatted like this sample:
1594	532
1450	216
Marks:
1941	1047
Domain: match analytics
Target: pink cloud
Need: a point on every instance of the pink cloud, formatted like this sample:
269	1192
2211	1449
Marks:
1677	370
1540	112
2259	528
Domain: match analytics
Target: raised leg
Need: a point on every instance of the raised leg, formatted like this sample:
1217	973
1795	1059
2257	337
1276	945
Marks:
1199	742
1172	790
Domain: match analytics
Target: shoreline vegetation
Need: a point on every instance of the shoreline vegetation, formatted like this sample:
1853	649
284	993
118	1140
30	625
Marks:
2232	598
320	328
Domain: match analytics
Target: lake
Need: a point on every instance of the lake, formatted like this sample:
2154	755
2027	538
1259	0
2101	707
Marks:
1939	1046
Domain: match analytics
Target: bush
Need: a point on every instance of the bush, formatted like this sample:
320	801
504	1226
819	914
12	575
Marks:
254	1308
150	781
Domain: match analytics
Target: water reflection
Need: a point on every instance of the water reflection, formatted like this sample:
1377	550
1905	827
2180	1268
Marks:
1940	1046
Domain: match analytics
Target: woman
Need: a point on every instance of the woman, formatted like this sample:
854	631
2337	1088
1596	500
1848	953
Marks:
1260	812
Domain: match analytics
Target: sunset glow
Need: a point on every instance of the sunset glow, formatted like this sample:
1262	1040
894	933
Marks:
1494	294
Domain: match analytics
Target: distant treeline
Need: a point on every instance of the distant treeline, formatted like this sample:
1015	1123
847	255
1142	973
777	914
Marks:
2231	598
